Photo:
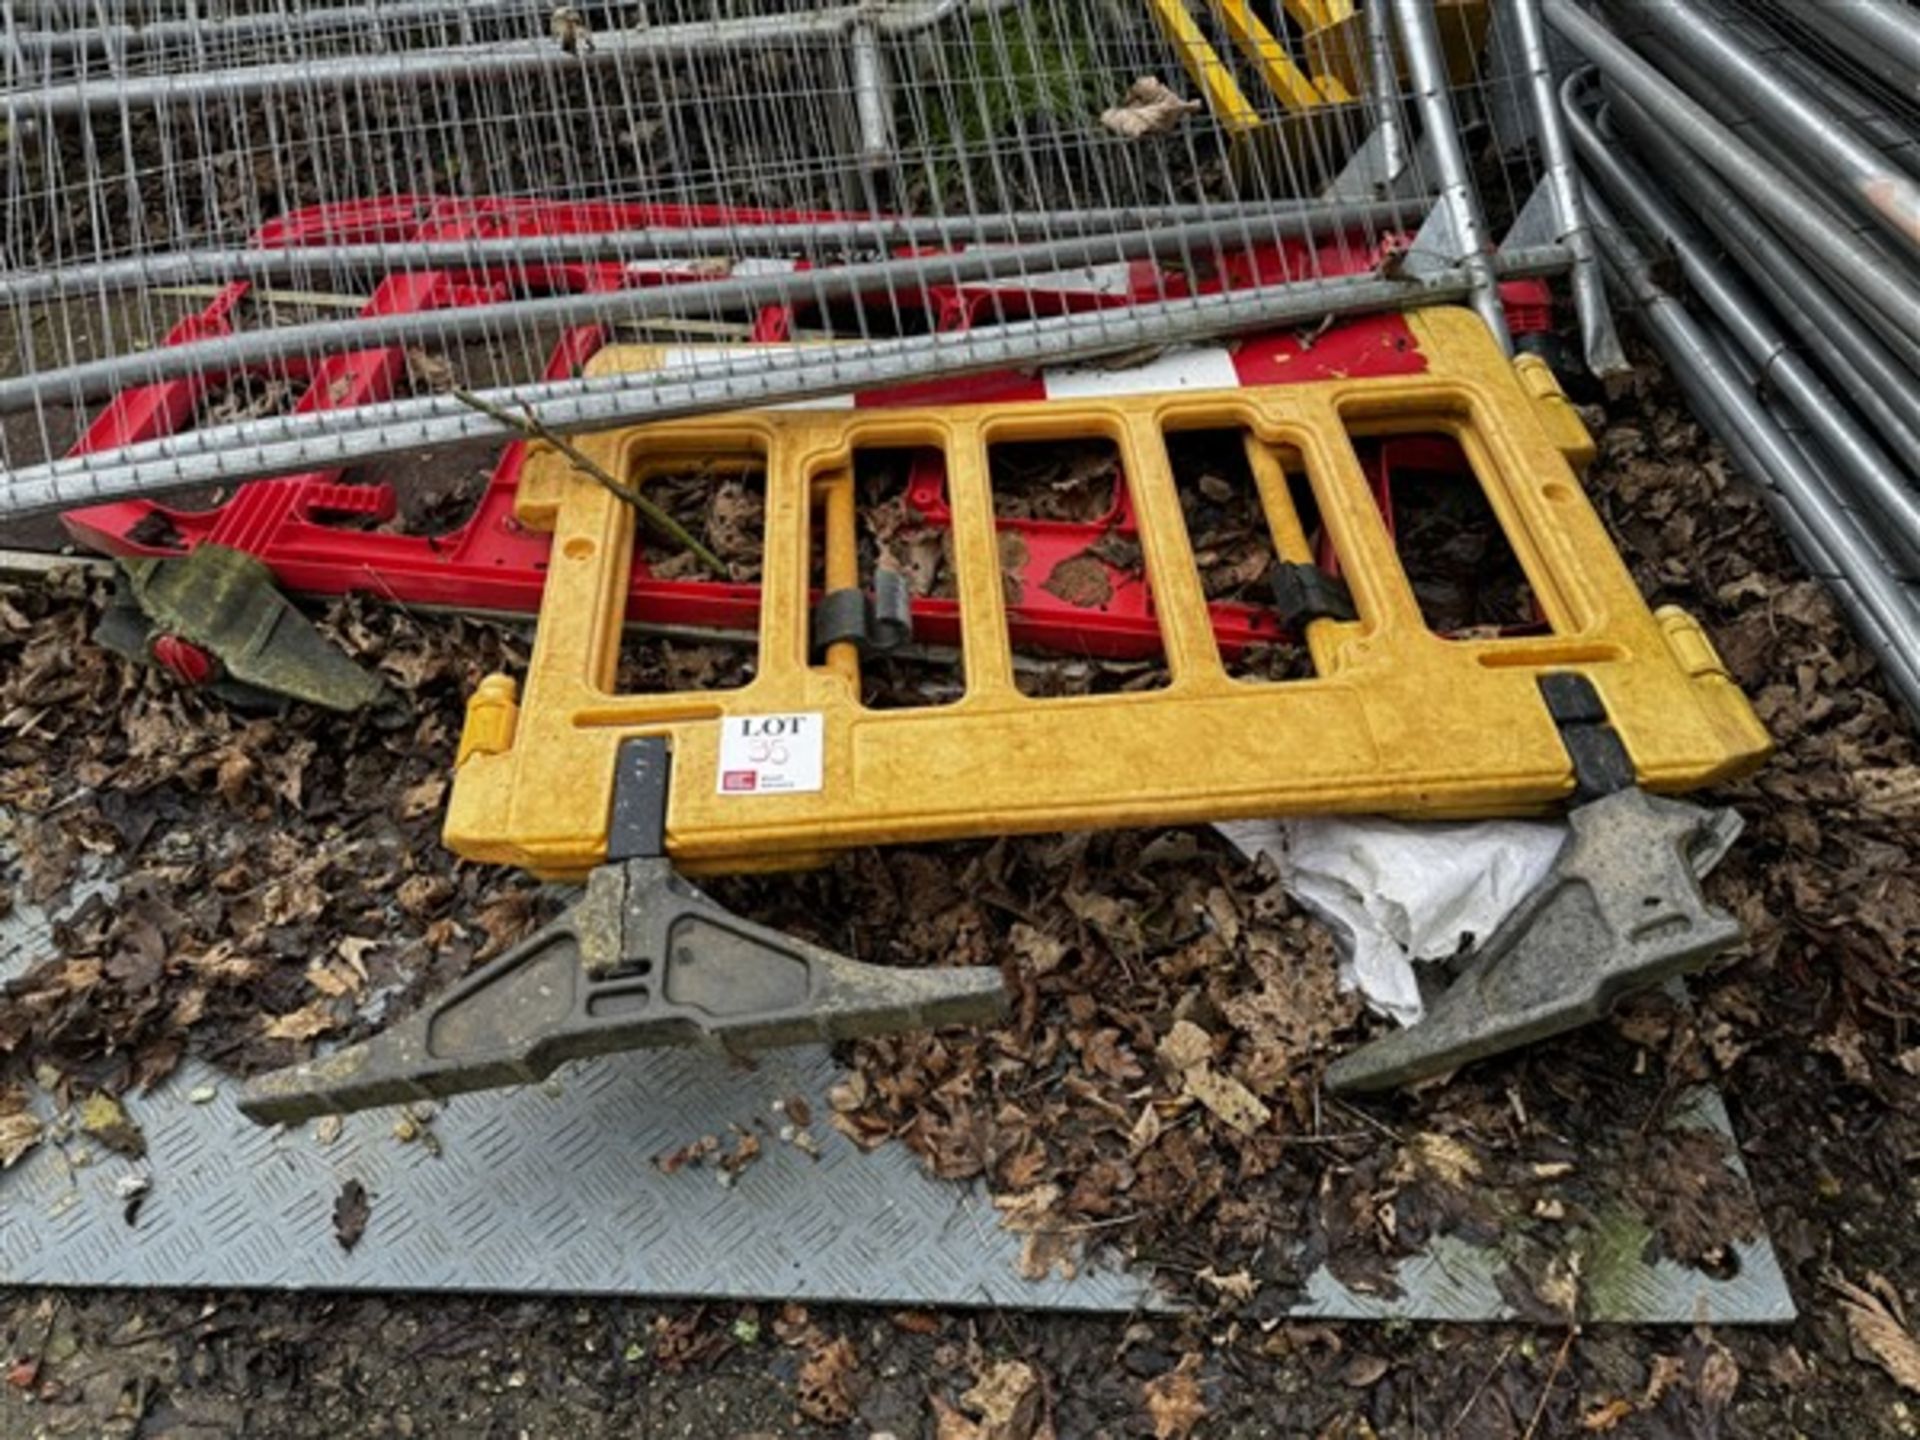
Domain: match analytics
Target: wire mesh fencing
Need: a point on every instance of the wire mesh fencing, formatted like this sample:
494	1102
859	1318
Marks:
269	237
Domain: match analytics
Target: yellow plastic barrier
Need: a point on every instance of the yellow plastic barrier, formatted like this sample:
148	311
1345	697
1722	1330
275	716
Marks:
1332	37
1263	51
791	767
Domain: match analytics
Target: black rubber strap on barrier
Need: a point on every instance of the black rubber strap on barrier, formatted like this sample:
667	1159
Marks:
872	624
840	618
892	614
637	828
1601	765
1303	592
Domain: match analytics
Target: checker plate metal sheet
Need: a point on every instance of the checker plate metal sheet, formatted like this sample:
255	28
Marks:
1454	1280
545	1188
554	1189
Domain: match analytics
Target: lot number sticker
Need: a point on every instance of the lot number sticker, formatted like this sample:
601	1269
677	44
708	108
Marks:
770	754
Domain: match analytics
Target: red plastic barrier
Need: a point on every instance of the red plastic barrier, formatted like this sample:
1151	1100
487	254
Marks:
310	528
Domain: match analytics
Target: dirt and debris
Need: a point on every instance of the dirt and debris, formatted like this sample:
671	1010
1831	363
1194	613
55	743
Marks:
1173	1400
723	507
283	877
1877	1323
1154	1095
1075	480
246	397
352	1209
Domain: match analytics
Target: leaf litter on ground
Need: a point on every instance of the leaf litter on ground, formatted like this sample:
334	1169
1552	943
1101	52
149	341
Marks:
255	848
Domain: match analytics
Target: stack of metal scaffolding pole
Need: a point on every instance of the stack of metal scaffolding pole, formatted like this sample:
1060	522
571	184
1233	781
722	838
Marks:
1776	171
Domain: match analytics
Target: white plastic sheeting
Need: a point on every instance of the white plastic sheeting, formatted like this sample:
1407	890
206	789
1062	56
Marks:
1395	893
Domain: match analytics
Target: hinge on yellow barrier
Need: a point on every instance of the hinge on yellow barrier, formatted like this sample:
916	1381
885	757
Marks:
1556	411
492	714
644	959
1690	644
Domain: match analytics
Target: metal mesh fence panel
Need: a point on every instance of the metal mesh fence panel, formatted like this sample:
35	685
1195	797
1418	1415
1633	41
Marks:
232	197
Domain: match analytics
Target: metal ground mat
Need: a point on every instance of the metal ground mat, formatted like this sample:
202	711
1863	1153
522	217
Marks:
558	1188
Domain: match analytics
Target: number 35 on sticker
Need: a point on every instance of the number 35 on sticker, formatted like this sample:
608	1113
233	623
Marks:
770	754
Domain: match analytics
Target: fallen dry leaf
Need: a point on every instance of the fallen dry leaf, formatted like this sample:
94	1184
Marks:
1240	1285
1045	1251
1559	1287
1145	1130
1048	1245
1844	1043
1442	1157
230	780
1040	950
103	1117
433	373
1148	108
1227	1098
1006	1403
351	1210
424	798
1602	1418
1027	1210
332	981
1173	1400
822	1389
950	1424
19	1132
1667	1370
1081	580
680	1342
301	1024
1185	1046
1719	1376
1879	1332
1187	1050
1363	1372
1891	791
